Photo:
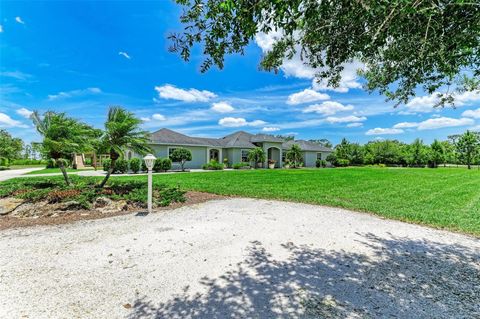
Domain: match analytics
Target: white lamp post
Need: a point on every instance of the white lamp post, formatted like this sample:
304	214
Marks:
149	161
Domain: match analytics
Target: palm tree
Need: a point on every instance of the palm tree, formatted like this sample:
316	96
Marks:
294	155
62	137
122	131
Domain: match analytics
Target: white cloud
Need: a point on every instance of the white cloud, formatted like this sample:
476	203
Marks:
306	96
327	108
24	112
238	122
405	125
19	20
296	67
1	28
472	113
349	79
6	121
158	117
384	131
357	124
125	55
146	119
270	129
74	93
257	123
426	103
222	107
442	122
346	119
16	75
169	91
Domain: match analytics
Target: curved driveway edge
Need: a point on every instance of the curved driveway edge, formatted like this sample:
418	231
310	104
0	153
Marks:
239	258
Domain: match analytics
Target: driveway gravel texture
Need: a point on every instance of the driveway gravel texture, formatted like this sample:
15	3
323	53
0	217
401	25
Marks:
239	258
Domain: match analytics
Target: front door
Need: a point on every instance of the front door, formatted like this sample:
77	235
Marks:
214	155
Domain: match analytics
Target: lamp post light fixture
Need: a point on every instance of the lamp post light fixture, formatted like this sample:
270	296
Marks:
149	161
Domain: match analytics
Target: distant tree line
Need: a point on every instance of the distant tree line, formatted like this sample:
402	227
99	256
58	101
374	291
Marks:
458	149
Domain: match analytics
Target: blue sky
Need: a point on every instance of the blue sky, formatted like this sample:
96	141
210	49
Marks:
82	57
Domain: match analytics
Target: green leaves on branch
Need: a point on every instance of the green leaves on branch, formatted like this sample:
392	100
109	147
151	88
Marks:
405	44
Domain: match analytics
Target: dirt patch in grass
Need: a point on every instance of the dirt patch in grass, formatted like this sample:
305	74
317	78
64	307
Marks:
7	222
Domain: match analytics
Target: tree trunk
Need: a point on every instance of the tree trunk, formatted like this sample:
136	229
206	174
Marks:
64	171
109	172
182	163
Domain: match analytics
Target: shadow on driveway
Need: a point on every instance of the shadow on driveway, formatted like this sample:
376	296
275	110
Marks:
405	279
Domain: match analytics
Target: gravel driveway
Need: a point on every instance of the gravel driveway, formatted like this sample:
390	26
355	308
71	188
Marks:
239	258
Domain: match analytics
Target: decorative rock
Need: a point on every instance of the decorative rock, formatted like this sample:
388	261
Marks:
102	202
9	204
70	205
30	209
106	206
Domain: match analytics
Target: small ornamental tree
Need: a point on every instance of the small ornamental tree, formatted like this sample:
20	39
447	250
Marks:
294	156
468	147
181	155
256	155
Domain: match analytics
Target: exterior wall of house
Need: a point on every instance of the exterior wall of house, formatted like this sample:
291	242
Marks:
199	155
234	155
310	158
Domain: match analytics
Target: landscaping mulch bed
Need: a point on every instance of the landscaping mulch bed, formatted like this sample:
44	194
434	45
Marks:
7	222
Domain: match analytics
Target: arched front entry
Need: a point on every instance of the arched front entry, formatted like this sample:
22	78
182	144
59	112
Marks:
273	153
214	155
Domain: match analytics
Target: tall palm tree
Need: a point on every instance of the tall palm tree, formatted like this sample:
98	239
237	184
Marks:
122	131
62	137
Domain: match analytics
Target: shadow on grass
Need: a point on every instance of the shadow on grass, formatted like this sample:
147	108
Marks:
404	279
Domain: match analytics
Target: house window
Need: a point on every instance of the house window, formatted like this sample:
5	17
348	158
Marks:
245	156
319	156
171	150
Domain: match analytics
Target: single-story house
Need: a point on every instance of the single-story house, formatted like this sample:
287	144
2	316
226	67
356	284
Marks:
233	147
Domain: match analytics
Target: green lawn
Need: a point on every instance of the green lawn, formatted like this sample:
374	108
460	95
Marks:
444	198
56	170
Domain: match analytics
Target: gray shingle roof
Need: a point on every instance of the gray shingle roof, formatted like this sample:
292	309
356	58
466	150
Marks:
266	138
237	139
306	146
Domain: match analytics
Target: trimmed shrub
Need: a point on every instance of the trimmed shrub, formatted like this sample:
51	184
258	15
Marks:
320	163
4	168
166	164
106	164
157	166
213	165
51	163
135	164
144	166
241	165
121	166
